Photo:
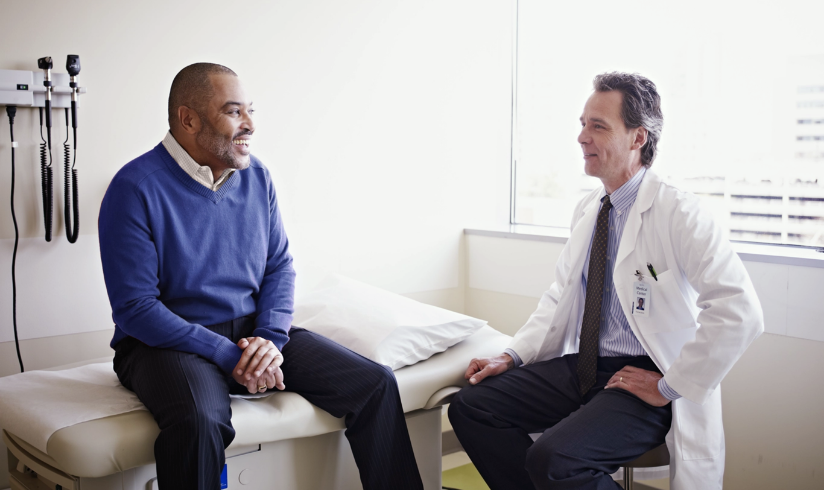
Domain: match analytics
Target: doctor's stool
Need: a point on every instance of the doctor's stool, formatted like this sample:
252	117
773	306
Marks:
652	458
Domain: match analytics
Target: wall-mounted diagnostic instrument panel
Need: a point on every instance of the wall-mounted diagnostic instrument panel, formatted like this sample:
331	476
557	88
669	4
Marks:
44	90
24	88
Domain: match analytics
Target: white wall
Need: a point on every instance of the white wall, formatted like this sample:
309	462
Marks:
772	404
384	123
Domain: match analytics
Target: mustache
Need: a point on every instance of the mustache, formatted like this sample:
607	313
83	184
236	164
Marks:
243	133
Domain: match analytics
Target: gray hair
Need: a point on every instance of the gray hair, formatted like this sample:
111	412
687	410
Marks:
193	89
641	107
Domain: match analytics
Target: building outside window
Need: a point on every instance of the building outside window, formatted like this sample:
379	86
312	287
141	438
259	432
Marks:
742	87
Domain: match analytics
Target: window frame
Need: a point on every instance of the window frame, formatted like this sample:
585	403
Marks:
562	232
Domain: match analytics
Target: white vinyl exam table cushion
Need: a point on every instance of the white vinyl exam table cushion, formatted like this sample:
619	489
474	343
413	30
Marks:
104	446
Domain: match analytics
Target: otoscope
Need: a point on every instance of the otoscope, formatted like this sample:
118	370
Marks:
71	207
45	64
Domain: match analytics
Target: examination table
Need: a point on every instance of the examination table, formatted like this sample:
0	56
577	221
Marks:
282	440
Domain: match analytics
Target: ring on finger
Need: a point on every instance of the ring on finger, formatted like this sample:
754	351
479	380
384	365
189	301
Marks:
621	379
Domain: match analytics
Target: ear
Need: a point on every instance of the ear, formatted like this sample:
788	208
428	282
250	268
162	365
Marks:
639	138
188	119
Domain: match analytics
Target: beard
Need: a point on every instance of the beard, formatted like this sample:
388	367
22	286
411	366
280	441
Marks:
217	144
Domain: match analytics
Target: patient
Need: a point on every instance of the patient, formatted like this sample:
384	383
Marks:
201	284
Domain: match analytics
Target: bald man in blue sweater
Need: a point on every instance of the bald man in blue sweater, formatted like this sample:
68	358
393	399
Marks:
201	284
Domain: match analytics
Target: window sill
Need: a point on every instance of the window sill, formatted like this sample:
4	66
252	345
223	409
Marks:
751	252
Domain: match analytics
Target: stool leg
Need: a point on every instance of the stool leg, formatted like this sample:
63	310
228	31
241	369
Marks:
627	478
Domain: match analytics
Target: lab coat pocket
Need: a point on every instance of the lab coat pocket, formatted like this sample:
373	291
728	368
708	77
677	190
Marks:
668	310
701	429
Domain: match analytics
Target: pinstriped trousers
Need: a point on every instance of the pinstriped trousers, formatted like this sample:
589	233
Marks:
189	398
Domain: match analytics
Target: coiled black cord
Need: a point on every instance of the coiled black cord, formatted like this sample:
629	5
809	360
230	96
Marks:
44	160
12	111
70	205
46	179
67	149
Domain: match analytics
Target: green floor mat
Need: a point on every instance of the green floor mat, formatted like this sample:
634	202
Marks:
464	477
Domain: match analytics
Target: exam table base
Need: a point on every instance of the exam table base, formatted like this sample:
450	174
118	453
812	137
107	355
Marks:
309	463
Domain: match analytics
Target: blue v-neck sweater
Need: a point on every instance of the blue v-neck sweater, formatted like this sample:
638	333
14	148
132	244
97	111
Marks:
177	255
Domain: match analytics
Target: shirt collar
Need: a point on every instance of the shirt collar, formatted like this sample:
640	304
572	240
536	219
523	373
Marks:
201	173
623	197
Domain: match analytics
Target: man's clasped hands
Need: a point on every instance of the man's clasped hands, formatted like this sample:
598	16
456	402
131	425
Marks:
259	365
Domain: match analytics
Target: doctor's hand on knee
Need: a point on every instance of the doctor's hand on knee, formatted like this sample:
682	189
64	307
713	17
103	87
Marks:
259	356
639	382
488	366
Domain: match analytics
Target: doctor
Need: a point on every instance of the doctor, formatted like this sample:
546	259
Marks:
604	380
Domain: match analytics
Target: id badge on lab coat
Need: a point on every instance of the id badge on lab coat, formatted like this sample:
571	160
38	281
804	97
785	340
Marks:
641	302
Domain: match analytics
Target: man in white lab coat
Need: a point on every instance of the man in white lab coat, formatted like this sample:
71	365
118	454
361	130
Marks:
603	379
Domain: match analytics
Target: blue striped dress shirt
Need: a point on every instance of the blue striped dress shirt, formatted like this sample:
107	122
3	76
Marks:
616	337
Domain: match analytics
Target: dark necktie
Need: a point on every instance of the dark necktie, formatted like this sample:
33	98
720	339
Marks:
588	350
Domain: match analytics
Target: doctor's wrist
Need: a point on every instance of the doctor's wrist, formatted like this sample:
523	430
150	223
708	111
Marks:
514	357
666	391
510	363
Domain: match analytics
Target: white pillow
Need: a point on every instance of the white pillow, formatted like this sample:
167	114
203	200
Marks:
388	328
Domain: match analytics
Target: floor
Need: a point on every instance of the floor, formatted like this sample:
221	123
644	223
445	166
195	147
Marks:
460	474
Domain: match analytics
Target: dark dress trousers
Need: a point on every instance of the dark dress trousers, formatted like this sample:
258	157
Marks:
189	398
585	438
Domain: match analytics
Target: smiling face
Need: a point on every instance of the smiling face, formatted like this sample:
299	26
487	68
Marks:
226	125
611	151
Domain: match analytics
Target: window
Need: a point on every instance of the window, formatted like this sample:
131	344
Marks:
742	88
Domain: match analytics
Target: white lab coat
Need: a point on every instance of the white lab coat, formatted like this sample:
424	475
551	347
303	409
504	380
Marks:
702	314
